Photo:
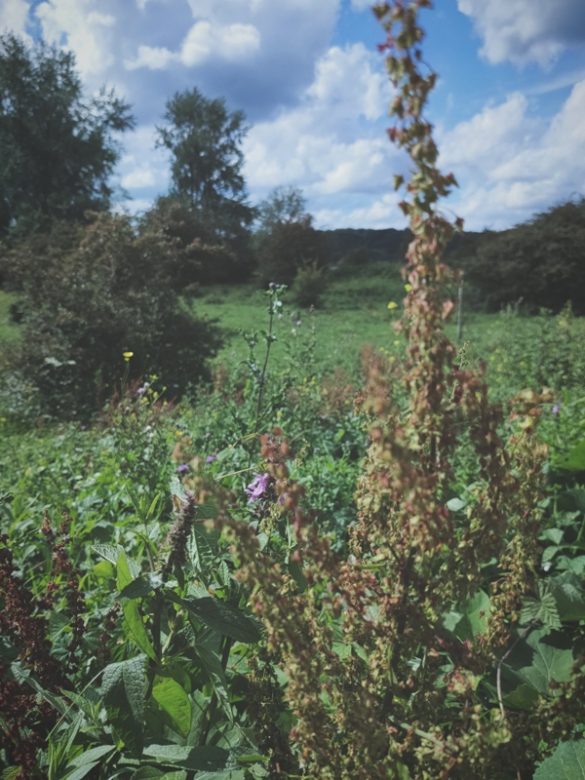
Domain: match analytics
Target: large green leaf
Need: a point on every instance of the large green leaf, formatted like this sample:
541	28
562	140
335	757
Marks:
134	622
224	618
566	763
574	460
171	697
92	755
552	661
567	589
130	677
474	617
201	759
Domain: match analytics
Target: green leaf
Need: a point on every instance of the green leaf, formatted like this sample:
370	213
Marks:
574	460
201	759
123	574
137	589
109	552
456	504
224	618
476	612
135	685
151	773
171	697
566	763
569	595
131	677
81	771
136	629
550	662
542	609
92	756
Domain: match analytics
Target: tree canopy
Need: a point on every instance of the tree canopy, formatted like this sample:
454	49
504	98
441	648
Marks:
57	147
539	263
204	139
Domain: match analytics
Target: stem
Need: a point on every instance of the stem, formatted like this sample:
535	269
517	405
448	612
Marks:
262	380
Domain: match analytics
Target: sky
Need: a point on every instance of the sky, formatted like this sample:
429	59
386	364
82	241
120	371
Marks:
509	108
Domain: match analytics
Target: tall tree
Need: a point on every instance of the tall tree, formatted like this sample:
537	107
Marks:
204	139
57	147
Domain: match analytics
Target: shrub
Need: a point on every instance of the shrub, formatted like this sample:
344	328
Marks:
309	285
539	263
90	295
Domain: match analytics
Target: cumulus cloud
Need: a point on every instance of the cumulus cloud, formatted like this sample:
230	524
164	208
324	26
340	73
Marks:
327	143
510	164
82	28
523	31
14	16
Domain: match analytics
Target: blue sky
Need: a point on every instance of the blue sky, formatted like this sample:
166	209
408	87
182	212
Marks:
509	109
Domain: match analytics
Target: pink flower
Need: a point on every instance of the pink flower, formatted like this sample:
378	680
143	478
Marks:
258	487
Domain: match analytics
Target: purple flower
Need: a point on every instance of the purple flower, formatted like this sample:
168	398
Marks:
258	487
556	409
183	468
211	458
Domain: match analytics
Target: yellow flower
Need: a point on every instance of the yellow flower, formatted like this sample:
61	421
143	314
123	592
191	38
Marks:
392	305
127	356
408	287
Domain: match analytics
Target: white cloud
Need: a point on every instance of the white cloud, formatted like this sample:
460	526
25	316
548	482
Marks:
510	164
142	166
326	143
139	178
378	214
524	31
362	5
14	16
232	43
82	29
151	57
347	80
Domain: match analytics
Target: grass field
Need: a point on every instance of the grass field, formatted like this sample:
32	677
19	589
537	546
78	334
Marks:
354	313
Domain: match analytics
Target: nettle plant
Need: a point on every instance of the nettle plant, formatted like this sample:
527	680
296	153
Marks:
434	650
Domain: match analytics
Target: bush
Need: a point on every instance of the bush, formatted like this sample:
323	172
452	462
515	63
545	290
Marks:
98	292
286	248
539	263
309	285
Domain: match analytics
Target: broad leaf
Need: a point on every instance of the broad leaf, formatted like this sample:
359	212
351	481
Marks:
171	698
202	759
566	763
224	618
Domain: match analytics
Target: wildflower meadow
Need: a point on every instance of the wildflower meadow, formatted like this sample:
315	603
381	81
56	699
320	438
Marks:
306	568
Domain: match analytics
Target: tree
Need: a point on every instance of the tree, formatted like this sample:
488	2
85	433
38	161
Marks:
286	240
103	289
57	147
204	140
540	262
284	205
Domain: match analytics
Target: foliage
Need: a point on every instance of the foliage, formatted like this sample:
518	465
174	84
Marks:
393	588
204	140
309	285
288	247
45	121
284	205
103	290
202	256
539	263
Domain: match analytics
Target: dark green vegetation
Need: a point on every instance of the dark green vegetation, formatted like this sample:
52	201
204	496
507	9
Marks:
304	568
45	120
